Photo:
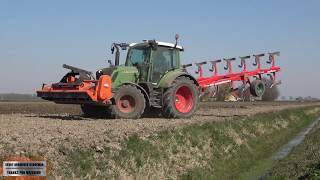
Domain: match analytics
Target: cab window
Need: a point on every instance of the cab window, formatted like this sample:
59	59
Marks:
137	56
164	59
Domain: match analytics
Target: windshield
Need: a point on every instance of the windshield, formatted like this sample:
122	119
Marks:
137	56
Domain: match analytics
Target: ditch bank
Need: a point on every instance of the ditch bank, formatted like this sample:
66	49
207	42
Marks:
212	150
303	162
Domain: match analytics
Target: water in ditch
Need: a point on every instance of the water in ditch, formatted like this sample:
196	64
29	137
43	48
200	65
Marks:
286	149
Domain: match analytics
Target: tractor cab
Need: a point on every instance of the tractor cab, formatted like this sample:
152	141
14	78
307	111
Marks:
153	59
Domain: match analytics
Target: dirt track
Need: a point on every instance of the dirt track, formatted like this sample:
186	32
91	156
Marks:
42	128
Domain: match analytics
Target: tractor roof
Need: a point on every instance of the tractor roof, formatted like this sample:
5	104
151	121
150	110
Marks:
166	44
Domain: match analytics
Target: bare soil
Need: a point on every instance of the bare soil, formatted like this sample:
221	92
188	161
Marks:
49	130
43	107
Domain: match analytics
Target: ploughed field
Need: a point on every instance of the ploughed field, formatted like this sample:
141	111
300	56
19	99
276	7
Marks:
45	107
50	130
44	123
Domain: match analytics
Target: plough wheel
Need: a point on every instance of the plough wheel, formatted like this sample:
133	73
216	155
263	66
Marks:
129	103
257	88
181	99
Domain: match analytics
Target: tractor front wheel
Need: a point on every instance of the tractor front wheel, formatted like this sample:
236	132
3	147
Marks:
129	103
181	99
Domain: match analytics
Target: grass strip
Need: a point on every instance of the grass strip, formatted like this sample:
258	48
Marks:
215	150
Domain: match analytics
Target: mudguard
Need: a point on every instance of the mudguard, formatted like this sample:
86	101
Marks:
168	78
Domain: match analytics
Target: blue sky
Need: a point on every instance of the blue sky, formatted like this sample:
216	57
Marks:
37	37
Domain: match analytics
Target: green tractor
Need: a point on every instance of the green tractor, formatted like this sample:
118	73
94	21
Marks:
152	77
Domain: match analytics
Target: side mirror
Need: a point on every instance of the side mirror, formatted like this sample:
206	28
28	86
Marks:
124	46
110	63
112	49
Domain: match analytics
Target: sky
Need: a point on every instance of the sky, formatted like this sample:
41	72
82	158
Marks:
37	37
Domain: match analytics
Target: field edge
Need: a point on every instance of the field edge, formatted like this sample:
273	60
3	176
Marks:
206	150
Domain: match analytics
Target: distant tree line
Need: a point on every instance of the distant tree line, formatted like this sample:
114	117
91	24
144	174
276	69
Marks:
18	97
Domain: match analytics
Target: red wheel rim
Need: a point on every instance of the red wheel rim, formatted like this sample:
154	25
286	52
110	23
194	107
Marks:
126	104
184	99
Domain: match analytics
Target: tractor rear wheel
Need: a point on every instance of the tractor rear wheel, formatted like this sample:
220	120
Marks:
129	103
95	111
257	88
181	99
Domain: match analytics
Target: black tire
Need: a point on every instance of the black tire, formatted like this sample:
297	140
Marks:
129	103
94	111
169	109
257	88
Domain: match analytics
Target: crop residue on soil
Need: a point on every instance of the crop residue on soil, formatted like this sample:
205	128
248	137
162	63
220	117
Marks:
50	130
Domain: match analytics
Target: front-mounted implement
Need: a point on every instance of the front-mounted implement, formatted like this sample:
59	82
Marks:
152	76
77	87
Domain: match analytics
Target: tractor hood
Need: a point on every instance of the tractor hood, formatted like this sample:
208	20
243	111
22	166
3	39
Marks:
120	74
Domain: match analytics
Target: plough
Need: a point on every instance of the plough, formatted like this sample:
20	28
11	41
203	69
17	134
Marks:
244	76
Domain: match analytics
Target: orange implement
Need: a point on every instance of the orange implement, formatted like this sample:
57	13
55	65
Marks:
76	93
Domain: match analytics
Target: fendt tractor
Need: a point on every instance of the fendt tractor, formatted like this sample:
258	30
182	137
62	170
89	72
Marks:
153	77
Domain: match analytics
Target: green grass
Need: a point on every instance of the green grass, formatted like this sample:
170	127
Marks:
134	154
80	162
232	149
255	152
303	162
137	149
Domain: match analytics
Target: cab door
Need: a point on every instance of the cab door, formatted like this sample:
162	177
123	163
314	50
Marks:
140	58
163	59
